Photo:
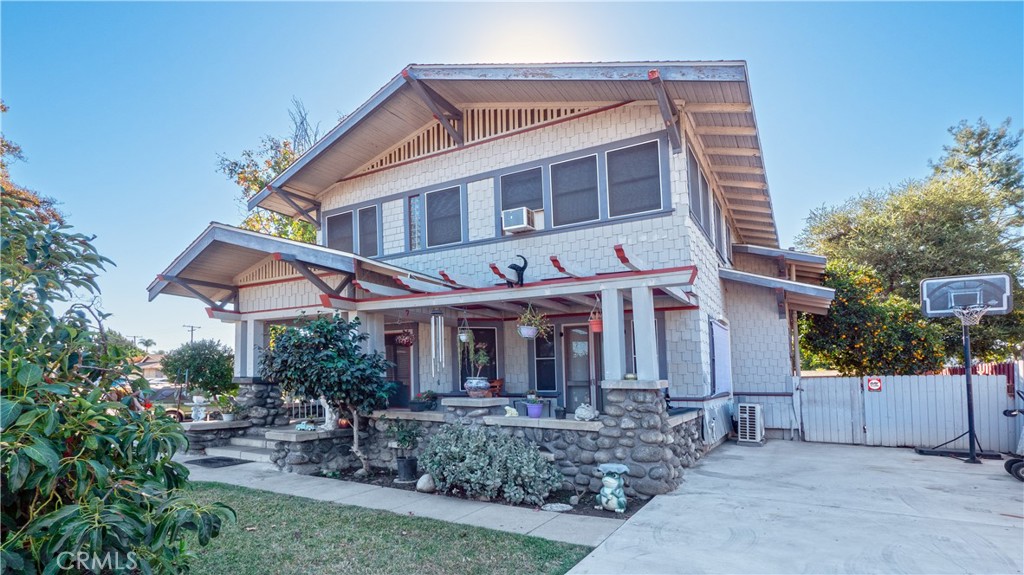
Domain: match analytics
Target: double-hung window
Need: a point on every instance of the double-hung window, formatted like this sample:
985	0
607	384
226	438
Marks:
340	229
444	217
368	231
634	180
544	363
574	195
522	190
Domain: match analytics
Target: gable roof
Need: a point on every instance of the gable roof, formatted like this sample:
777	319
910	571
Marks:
715	98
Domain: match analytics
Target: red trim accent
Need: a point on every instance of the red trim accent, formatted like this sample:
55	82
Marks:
398	280
489	140
448	278
557	281
276	256
405	73
497	272
558	265
653	75
325	301
620	252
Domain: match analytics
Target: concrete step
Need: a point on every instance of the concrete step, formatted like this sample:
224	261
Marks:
249	442
238	452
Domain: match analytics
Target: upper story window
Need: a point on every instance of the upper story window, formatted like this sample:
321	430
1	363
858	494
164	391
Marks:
522	190
700	192
368	232
634	180
719	229
340	230
415	218
574	197
444	217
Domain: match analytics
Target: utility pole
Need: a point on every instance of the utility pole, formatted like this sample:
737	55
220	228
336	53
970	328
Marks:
134	337
191	331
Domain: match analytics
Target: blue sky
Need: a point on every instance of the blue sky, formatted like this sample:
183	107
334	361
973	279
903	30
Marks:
122	108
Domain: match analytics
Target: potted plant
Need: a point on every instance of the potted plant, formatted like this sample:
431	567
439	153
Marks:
476	358
227	407
531	394
405	339
532	324
595	321
424	401
534	407
405	437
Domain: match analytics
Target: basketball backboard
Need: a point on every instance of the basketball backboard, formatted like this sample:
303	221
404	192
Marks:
940	296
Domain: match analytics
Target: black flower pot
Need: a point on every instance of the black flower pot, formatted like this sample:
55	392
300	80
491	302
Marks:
418	405
407	468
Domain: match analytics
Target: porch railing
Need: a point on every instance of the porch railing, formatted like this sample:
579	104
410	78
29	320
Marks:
299	408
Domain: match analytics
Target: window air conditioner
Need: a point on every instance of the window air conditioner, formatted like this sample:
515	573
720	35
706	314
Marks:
750	424
517	220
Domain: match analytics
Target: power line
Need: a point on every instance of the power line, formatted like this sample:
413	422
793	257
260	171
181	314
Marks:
191	331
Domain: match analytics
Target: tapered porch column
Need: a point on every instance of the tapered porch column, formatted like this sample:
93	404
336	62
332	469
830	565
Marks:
373	325
613	336
241	349
256	336
644	334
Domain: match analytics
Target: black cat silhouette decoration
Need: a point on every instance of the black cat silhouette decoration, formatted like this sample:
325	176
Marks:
520	272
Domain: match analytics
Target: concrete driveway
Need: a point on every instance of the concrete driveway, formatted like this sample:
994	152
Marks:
814	508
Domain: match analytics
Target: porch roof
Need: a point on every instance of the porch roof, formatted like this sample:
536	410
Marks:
808	267
209	267
799	296
711	99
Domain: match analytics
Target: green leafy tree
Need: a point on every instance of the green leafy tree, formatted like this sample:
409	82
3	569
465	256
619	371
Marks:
123	342
45	208
84	474
867	331
258	167
324	357
963	220
207	364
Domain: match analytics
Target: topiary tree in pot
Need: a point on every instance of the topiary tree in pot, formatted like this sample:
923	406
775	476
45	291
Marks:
325	357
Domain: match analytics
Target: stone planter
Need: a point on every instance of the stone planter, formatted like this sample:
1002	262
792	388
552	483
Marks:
477	386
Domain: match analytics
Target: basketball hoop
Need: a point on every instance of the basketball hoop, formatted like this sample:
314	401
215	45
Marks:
970	315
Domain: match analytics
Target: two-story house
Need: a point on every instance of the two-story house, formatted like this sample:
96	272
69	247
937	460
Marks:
633	189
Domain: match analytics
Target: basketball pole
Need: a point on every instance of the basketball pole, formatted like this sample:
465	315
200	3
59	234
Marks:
972	454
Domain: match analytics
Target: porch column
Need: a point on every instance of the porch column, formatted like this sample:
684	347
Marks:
241	349
613	336
256	340
644	334
373	325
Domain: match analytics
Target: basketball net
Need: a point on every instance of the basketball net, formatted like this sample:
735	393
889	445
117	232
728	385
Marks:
970	315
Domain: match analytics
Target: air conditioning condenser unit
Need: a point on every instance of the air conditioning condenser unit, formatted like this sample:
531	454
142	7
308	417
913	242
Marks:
750	424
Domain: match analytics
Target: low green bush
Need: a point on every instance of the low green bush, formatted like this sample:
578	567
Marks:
481	463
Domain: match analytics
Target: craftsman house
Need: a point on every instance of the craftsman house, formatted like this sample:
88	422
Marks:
635	190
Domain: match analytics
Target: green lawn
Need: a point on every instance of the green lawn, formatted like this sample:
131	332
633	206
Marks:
280	534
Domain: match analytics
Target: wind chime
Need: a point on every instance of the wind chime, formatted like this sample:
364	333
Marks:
436	342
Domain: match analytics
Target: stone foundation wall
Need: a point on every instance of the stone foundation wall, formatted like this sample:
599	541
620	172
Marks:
306	453
203	434
260	402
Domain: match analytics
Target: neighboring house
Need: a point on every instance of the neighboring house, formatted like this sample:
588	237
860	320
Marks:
635	189
151	365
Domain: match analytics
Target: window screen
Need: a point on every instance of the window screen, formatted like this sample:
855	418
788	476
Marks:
705	204
415	222
719	229
574	191
544	356
368	231
634	180
693	181
444	217
522	189
339	232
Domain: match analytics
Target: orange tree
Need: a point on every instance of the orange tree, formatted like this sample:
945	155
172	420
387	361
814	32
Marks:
867	331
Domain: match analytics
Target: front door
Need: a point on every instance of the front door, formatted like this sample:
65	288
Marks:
582	353
400	372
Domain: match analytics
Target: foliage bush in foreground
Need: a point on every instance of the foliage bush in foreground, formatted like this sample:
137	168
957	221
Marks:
208	364
477	462
84	475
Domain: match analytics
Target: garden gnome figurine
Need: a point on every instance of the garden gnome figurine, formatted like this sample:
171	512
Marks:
612	495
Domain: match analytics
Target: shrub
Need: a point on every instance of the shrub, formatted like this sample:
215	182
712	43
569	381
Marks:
477	462
208	366
84	475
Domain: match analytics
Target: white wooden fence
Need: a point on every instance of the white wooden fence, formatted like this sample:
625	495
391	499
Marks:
908	411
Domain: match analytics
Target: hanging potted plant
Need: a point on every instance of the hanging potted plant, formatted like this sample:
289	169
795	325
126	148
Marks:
595	321
405	339
475	357
532	324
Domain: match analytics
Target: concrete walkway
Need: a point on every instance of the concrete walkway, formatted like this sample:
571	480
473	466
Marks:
814	508
590	531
